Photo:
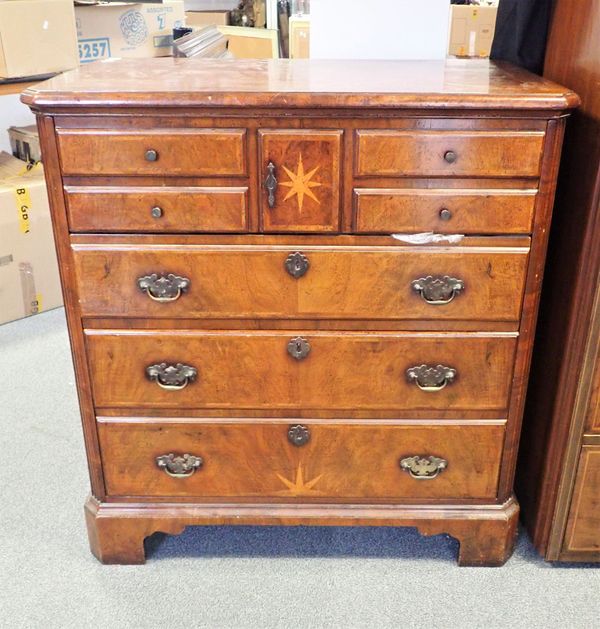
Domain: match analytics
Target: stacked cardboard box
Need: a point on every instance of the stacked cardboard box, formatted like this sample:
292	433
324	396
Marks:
29	281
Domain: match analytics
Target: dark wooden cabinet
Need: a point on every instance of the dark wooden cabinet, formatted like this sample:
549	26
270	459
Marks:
558	478
261	332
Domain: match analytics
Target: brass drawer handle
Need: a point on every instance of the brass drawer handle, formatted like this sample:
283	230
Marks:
151	155
171	377
429	378
424	467
298	348
296	264
179	466
298	435
163	288
271	184
450	157
438	291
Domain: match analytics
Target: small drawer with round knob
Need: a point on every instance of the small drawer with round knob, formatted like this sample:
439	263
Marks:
153	209
433	153
166	152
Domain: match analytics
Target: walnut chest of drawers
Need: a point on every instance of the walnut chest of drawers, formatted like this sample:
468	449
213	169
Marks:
301	292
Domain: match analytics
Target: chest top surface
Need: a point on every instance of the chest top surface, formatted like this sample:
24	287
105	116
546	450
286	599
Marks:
172	82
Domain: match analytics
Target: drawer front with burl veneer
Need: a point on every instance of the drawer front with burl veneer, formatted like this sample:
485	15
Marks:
281	282
387	153
157	209
164	152
287	370
301	461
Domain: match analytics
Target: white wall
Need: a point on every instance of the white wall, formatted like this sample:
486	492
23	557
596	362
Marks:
12	113
379	29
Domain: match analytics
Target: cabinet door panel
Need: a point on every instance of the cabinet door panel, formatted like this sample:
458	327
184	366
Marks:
300	171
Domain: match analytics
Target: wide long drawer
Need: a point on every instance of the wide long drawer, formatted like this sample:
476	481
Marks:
400	283
386	153
301	462
286	370
164	152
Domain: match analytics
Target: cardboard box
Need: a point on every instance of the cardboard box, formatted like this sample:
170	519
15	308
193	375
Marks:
123	29
199	19
37	37
471	30
299	37
29	281
251	43
25	143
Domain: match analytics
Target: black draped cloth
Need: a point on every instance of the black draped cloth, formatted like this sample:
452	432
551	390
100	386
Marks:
521	31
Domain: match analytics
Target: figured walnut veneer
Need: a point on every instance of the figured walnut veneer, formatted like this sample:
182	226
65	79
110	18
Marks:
251	343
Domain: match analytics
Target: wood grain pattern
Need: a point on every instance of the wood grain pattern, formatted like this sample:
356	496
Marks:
199	152
344	283
583	526
307	168
471	211
339	462
342	371
486	534
212	83
559	386
183	209
215	127
478	154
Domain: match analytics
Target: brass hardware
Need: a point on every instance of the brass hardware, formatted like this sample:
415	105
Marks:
429	378
151	155
298	435
163	288
445	214
423	467
179	466
156	212
296	264
298	348
271	184
171	377
438	290
450	157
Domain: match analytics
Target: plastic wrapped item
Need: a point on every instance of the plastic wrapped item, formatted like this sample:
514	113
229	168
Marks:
429	238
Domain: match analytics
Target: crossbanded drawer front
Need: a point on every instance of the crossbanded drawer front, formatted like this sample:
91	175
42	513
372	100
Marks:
301	461
192	152
157	209
410	283
290	370
448	153
453	211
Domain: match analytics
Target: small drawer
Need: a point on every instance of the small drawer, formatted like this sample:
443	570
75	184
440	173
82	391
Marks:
311	282
448	153
308	369
157	209
456	211
301	461
172	152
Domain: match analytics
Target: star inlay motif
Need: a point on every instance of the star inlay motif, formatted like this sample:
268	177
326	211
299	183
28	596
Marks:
300	183
298	487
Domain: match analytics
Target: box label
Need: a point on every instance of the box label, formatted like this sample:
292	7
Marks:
23	200
94	49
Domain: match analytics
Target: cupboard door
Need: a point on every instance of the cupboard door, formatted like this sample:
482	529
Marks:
300	172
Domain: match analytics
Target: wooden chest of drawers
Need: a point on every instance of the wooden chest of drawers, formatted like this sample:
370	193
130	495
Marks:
301	293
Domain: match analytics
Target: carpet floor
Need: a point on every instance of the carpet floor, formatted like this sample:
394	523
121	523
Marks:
226	576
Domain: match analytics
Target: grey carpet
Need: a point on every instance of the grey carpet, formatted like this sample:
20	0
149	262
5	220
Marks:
226	576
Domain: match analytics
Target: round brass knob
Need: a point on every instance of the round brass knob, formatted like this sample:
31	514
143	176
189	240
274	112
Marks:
450	157
445	214
151	155
156	212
